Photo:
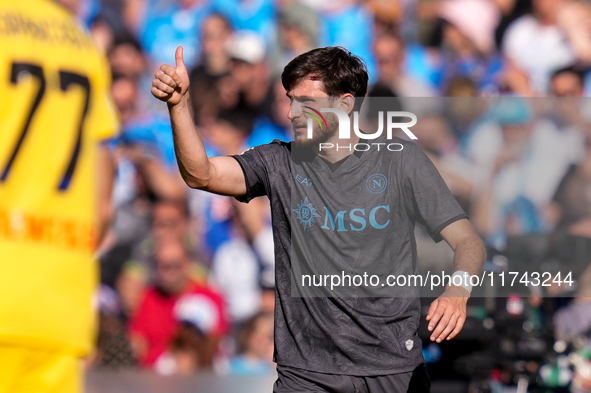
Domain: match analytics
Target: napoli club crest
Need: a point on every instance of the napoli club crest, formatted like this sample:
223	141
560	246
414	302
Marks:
376	184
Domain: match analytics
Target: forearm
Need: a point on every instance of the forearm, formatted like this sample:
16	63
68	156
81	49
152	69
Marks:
447	313
469	255
190	152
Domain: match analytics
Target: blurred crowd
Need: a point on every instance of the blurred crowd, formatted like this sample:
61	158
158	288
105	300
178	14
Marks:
188	277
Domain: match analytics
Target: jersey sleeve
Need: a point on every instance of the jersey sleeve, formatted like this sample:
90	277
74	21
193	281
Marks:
428	198
256	164
103	114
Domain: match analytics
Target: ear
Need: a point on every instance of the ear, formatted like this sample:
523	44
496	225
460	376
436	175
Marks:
347	103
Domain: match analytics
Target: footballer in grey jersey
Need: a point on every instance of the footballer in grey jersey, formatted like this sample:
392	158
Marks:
337	211
355	225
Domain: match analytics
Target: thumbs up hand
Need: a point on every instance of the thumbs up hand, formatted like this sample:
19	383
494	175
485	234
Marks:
170	83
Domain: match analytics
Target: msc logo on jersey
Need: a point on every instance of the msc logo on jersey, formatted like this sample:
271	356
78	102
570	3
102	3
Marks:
353	220
357	219
306	213
376	184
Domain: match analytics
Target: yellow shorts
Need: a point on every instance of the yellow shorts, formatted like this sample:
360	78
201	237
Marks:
25	370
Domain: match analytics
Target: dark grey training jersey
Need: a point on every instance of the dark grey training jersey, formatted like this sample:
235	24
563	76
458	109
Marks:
355	218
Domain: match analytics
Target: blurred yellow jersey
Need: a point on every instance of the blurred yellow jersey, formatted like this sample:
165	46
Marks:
54	110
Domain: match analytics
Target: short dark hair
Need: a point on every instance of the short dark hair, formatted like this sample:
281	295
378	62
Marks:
338	69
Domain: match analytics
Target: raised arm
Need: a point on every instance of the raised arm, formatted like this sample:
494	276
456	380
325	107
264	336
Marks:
220	175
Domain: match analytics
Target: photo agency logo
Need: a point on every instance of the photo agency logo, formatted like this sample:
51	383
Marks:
393	122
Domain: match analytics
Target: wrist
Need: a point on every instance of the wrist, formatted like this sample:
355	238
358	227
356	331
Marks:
461	279
457	292
181	105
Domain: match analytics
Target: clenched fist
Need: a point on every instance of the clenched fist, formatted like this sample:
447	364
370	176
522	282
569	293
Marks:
170	83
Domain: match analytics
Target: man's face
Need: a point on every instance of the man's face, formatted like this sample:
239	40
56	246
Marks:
243	73
388	54
566	85
168	222
124	93
260	343
214	35
293	37
172	267
125	59
309	93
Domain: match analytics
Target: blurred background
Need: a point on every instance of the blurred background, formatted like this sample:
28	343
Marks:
519	165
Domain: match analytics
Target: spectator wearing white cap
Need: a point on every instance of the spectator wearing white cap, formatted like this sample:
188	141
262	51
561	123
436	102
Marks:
195	345
249	81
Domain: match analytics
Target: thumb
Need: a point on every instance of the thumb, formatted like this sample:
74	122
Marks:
180	63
